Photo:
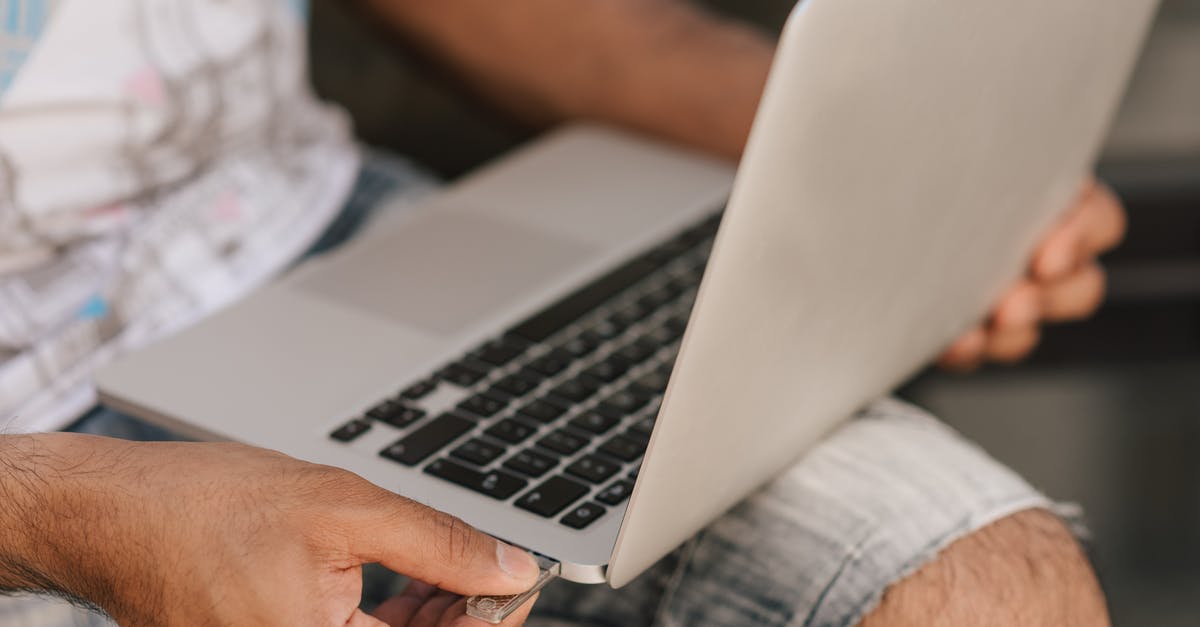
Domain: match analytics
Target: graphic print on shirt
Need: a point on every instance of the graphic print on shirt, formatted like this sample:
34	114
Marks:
139	193
21	23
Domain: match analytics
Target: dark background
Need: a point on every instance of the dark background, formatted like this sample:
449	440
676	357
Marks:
1106	414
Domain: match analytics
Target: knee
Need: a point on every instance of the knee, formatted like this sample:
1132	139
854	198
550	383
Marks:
1026	569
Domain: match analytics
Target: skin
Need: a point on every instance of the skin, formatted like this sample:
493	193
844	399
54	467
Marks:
221	534
1025	570
195	534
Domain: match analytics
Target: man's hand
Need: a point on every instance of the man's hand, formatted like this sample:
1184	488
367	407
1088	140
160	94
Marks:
1064	282
223	534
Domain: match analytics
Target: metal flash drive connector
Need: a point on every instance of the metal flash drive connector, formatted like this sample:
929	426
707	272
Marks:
494	609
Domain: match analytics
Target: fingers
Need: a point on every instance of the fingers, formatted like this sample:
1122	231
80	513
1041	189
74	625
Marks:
431	546
422	605
1010	335
1065	283
966	353
1021	306
1106	225
1075	297
1007	346
436	611
1094	225
400	609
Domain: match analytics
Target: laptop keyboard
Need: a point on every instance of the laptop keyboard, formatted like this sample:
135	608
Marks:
556	414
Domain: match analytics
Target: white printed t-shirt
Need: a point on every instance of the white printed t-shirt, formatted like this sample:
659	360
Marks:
158	159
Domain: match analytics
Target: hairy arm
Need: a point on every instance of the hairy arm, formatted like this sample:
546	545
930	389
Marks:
661	66
34	476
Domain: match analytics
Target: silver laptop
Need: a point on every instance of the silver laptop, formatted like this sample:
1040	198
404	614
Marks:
567	352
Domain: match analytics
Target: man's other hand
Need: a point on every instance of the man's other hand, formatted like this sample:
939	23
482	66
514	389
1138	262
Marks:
224	534
1064	282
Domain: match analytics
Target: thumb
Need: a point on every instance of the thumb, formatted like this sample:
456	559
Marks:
412	539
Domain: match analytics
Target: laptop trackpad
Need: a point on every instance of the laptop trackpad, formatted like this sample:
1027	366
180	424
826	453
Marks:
444	272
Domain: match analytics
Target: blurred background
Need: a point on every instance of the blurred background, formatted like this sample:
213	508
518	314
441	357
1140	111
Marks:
1107	413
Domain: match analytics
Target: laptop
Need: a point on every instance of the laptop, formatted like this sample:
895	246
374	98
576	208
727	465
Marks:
600	343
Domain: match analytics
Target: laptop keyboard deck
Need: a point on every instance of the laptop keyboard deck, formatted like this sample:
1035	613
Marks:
558	411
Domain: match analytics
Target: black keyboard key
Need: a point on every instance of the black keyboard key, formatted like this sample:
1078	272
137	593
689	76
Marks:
531	463
583	515
396	414
495	483
563	442
478	452
633	474
623	448
626	317
616	493
485	405
500	352
464	373
674	288
651	384
655	300
595	422
609	411
552	496
420	389
420	444
661	335
517	384
511	431
637	351
645	426
593	468
625	402
577	390
556	317
582	345
552	362
638	435
677	324
384	410
351	430
607	329
607	371
542	411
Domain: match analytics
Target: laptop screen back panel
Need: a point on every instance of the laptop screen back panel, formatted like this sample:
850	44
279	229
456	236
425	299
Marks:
906	157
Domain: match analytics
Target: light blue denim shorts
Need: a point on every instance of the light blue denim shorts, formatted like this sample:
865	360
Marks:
876	500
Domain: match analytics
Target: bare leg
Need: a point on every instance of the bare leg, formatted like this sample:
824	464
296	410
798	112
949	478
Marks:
1024	570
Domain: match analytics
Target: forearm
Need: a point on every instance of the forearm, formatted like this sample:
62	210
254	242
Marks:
51	526
22	497
657	65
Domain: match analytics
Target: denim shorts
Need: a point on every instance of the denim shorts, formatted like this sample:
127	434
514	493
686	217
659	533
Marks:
872	503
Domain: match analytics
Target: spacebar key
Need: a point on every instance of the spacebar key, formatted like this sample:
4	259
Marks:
428	439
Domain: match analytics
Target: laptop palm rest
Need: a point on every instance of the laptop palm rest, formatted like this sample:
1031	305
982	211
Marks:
433	270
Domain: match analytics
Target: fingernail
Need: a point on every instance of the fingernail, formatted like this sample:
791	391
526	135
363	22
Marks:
516	563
